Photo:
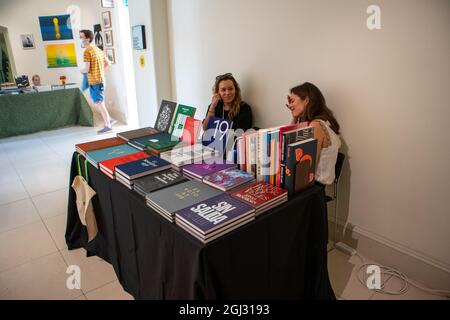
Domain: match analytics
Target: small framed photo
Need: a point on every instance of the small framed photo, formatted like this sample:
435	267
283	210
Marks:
107	3
109	41
106	18
27	41
110	55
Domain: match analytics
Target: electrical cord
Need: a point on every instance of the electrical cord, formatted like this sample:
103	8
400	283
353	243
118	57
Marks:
388	271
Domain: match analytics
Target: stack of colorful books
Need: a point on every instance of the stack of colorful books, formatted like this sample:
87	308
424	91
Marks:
209	219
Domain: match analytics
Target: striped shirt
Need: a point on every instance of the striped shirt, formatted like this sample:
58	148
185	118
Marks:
96	59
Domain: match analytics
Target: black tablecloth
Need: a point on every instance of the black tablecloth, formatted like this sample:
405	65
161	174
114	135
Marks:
280	255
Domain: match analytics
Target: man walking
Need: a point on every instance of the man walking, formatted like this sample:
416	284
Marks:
95	64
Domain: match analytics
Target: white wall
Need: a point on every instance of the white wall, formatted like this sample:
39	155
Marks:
153	79
388	89
21	17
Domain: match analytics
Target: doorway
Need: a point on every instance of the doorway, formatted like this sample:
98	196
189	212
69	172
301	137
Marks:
7	67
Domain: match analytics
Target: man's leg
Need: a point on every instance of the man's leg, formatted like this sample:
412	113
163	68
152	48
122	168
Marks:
100	106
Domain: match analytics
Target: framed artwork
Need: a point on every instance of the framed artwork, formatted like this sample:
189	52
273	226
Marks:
107	3
110	55
109	41
56	27
27	41
106	18
98	38
61	55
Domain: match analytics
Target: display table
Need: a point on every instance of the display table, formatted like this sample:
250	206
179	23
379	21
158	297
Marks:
280	255
32	112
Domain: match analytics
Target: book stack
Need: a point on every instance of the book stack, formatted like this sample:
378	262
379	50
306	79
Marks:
127	173
186	155
198	171
96	156
155	144
228	179
84	148
262	196
138	133
156	181
170	200
108	166
209	219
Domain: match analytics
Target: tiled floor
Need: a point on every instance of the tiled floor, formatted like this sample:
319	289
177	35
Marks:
34	181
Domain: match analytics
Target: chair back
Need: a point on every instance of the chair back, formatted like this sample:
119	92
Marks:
339	163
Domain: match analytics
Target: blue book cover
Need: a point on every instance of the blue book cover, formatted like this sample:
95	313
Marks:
300	165
216	134
214	213
97	156
228	178
143	167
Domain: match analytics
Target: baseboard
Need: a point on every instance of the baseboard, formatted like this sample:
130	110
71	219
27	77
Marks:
415	266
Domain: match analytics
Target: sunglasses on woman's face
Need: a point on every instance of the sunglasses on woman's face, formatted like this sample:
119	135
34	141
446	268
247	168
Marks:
223	76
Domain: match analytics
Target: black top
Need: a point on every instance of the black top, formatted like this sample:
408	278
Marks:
243	120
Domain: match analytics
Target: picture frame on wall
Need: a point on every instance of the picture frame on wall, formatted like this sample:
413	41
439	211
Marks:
107	3
110	54
106	18
109	41
27	41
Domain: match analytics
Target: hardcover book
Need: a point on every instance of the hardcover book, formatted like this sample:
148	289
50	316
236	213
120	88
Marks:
191	131
96	156
227	179
110	164
172	199
187	155
200	170
216	134
259	194
165	115
84	148
142	167
215	213
138	133
300	165
158	141
183	112
157	181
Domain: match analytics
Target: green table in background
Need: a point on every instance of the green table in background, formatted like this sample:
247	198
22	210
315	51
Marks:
32	112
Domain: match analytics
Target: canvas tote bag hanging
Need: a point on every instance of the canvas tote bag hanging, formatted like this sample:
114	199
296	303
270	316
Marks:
84	194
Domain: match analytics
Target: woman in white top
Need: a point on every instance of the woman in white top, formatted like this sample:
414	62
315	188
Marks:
308	107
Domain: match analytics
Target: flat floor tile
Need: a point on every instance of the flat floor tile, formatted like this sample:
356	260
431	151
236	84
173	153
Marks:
12	191
53	203
111	291
24	244
17	214
57	228
43	278
94	271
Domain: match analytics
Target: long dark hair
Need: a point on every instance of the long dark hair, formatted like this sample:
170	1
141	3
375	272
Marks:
236	103
316	107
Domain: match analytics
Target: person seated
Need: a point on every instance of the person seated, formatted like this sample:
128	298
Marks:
227	103
308	107
36	80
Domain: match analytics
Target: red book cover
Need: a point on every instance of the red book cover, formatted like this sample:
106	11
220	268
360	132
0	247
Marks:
110	165
259	193
83	148
191	131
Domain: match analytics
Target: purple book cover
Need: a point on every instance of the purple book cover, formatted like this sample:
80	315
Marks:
214	213
228	179
208	167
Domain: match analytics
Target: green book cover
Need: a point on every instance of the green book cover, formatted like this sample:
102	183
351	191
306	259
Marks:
182	113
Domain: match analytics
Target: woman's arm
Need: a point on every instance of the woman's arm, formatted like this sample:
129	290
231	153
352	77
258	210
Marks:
319	134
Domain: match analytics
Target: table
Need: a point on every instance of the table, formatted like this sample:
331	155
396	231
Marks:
31	112
280	255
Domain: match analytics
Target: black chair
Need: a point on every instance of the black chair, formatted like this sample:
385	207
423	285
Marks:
337	171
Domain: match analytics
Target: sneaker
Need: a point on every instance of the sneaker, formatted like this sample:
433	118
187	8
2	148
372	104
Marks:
112	121
104	130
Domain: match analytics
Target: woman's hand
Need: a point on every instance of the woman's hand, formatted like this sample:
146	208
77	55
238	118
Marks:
214	101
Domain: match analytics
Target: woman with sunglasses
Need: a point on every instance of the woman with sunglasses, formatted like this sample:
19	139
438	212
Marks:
227	103
308	107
